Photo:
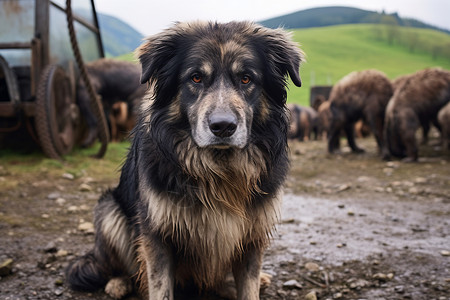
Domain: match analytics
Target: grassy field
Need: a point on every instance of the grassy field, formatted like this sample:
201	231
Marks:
332	52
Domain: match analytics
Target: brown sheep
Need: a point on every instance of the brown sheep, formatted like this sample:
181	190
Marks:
322	106
444	122
303	122
416	102
324	116
359	95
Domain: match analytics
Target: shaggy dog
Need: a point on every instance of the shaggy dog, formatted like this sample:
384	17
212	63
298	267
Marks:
416	102
114	81
199	193
363	96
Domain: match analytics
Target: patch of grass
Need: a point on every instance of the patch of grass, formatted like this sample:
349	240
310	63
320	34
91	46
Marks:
333	52
77	163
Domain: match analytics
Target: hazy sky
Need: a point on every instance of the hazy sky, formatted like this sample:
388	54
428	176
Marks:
150	17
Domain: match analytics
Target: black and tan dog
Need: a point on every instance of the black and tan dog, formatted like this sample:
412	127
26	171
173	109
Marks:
200	190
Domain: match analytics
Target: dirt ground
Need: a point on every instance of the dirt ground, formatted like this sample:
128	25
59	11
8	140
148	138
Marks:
353	227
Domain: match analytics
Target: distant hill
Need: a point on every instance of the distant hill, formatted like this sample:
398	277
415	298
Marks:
339	15
118	37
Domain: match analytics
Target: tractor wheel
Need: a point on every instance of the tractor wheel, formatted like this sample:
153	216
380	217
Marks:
56	113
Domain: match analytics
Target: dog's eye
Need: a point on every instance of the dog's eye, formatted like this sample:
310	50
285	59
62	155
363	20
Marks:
245	79
197	78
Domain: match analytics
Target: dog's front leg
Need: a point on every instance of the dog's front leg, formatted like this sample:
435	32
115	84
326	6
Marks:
246	273
158	264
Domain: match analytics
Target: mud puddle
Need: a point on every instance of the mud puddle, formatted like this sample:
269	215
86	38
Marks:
359	249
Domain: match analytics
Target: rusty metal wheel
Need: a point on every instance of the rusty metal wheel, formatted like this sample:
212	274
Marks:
56	112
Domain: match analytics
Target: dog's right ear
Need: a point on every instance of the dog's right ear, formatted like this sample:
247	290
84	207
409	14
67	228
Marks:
156	56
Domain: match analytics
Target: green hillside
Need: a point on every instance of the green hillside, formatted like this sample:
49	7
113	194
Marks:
340	15
335	51
117	36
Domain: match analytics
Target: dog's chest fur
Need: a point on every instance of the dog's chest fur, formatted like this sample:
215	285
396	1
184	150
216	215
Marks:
208	241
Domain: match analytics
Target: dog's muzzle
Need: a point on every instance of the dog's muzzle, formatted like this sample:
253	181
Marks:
222	125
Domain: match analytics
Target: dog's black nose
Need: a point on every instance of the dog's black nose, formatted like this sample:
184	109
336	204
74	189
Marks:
222	124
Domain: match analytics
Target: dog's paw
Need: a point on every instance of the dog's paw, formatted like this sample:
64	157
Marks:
117	288
265	280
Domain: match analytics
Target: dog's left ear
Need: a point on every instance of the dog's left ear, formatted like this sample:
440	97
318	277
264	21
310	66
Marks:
284	54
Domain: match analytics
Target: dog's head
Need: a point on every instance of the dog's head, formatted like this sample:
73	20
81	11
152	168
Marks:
220	77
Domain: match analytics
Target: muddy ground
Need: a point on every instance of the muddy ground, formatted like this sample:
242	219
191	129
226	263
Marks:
353	227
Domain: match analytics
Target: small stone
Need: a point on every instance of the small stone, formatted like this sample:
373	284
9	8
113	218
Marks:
86	227
68	176
85	207
350	213
379	189
312	267
392	164
343	187
420	180
59	292
45	216
414	190
341	245
61	253
399	289
311	296
382	276
53	196
445	253
6	267
50	247
357	284
84	187
60	201
313	243
407	183
362	179
292	284
72	208
337	296
59	282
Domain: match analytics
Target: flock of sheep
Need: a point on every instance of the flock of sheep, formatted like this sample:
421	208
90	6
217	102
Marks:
393	111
